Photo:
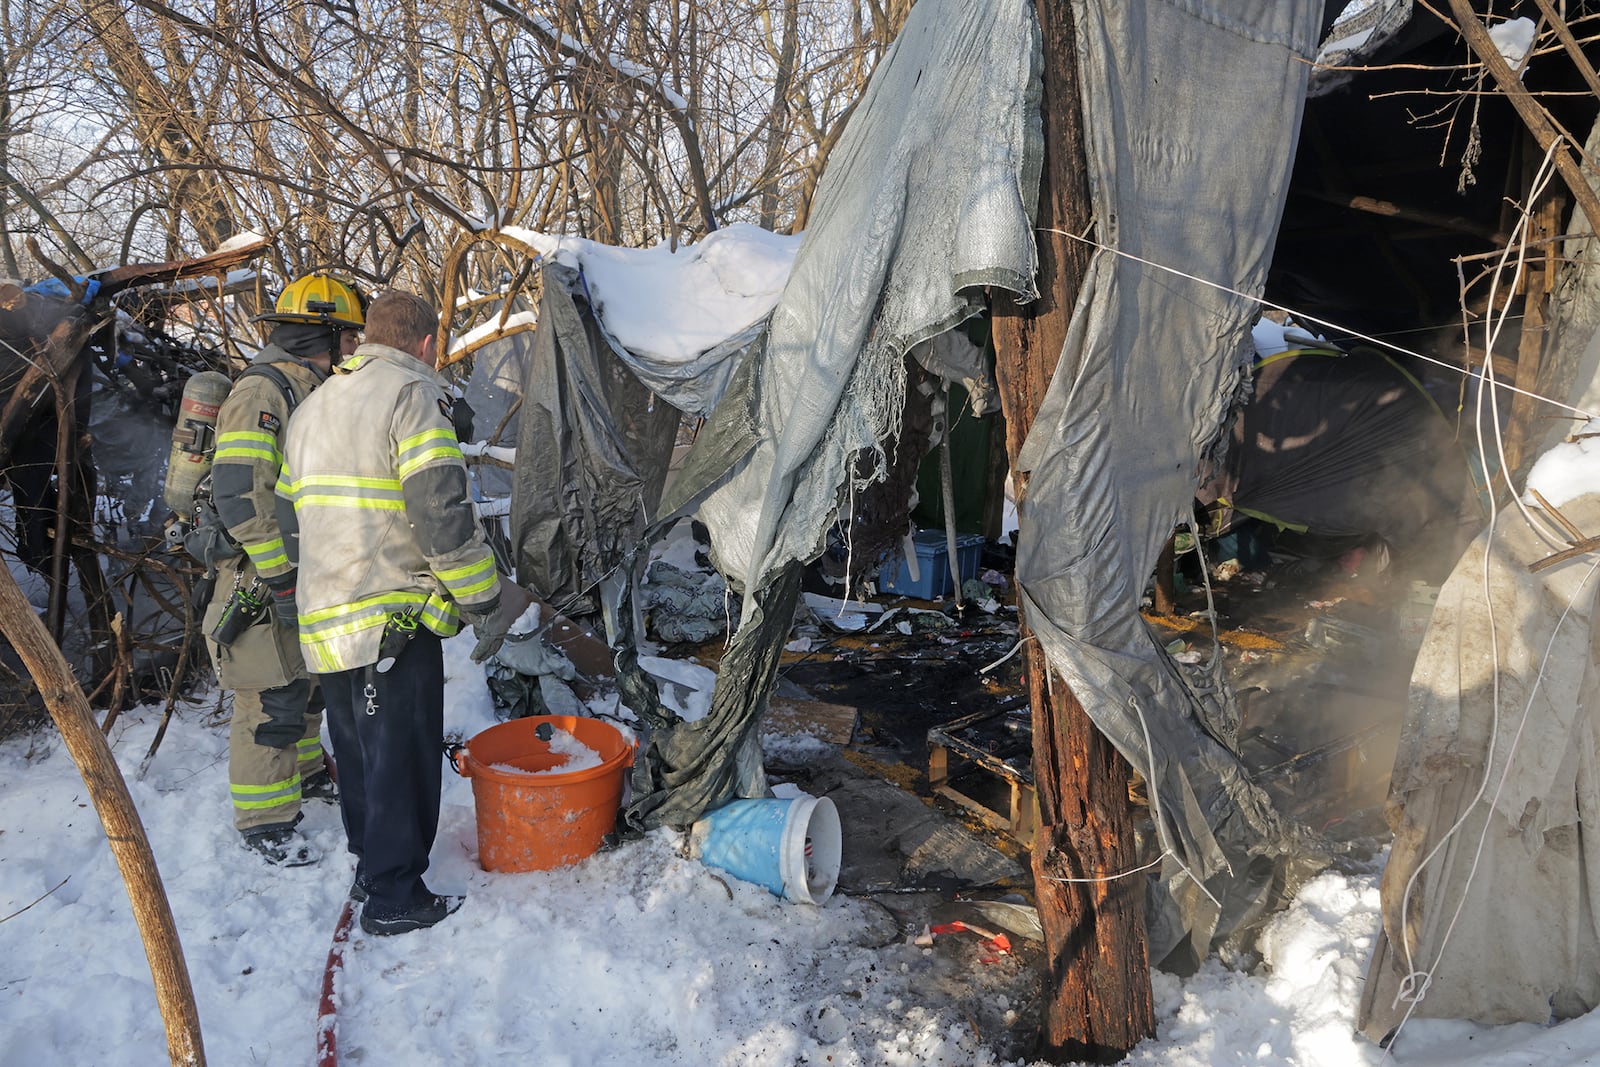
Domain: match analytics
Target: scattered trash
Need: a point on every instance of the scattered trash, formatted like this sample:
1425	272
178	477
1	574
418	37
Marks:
788	845
847	616
997	941
686	606
1227	570
980	594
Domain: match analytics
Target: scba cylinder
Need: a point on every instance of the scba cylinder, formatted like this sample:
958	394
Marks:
194	438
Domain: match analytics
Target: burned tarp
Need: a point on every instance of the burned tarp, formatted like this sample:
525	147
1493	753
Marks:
1189	152
927	197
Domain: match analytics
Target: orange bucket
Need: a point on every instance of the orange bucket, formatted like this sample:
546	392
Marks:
533	822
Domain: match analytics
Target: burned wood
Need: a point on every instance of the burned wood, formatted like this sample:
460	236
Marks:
1099	1001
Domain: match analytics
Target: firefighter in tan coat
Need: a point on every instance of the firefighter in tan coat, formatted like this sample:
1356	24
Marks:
378	508
275	757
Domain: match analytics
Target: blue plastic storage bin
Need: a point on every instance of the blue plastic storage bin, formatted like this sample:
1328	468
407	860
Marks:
933	579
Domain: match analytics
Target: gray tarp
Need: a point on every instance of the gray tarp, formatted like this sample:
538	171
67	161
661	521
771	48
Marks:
1189	151
928	195
1525	945
593	448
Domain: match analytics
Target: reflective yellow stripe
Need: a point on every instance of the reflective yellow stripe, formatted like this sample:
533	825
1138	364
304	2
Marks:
420	461
245	454
383	604
324	633
246	445
257	797
343	491
367	503
420	449
308	749
469	579
268	554
437	433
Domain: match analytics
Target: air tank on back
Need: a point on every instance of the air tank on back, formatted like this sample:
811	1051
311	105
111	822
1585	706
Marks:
194	438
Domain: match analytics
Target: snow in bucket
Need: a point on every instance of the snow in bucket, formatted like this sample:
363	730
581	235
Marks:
545	789
790	845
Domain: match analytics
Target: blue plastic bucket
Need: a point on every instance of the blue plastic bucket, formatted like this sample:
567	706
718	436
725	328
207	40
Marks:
790	845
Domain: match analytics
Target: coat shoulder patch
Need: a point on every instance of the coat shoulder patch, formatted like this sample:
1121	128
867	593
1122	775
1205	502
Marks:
270	422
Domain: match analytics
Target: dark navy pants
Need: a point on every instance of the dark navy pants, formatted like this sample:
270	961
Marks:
390	764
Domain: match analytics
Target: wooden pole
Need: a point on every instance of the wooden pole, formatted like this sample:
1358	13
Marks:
109	792
1099	1000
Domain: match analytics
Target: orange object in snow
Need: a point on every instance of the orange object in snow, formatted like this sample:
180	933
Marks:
533	821
999	942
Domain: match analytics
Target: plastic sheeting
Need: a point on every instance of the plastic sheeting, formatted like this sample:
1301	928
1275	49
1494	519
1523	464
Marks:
1189	153
1349	444
1514	757
593	448
928	195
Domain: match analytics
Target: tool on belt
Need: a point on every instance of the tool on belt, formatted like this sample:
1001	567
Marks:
397	633
245	608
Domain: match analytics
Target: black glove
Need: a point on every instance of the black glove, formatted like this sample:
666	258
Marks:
283	603
491	628
461	419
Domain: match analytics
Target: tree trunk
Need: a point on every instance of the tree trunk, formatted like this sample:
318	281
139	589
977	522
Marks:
1099	982
69	709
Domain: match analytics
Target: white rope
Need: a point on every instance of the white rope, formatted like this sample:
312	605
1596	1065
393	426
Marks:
1014	649
1308	317
1417	982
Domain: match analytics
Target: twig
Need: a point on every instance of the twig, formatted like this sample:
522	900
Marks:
1588	544
36	899
1566	524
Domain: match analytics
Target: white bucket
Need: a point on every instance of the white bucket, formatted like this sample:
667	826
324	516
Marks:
790	845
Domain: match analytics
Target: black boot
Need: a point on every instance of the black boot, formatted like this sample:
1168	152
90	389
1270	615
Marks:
420	916
320	786
281	846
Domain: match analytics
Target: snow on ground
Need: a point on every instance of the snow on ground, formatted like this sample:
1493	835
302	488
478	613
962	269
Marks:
635	956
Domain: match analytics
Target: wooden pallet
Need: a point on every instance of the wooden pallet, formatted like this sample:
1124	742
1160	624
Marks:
988	745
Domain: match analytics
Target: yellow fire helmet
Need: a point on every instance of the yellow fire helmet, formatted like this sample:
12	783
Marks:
319	299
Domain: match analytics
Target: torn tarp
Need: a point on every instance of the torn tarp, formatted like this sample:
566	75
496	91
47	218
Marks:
1189	154
1496	785
927	197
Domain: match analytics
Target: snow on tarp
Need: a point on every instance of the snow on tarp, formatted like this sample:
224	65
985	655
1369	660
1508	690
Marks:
675	316
593	447
927	197
1188	170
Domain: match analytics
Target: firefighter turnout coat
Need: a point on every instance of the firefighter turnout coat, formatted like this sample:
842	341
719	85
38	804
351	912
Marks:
273	739
379	510
244	474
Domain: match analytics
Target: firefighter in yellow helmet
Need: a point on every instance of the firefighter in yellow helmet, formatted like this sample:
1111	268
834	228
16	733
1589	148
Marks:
275	757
